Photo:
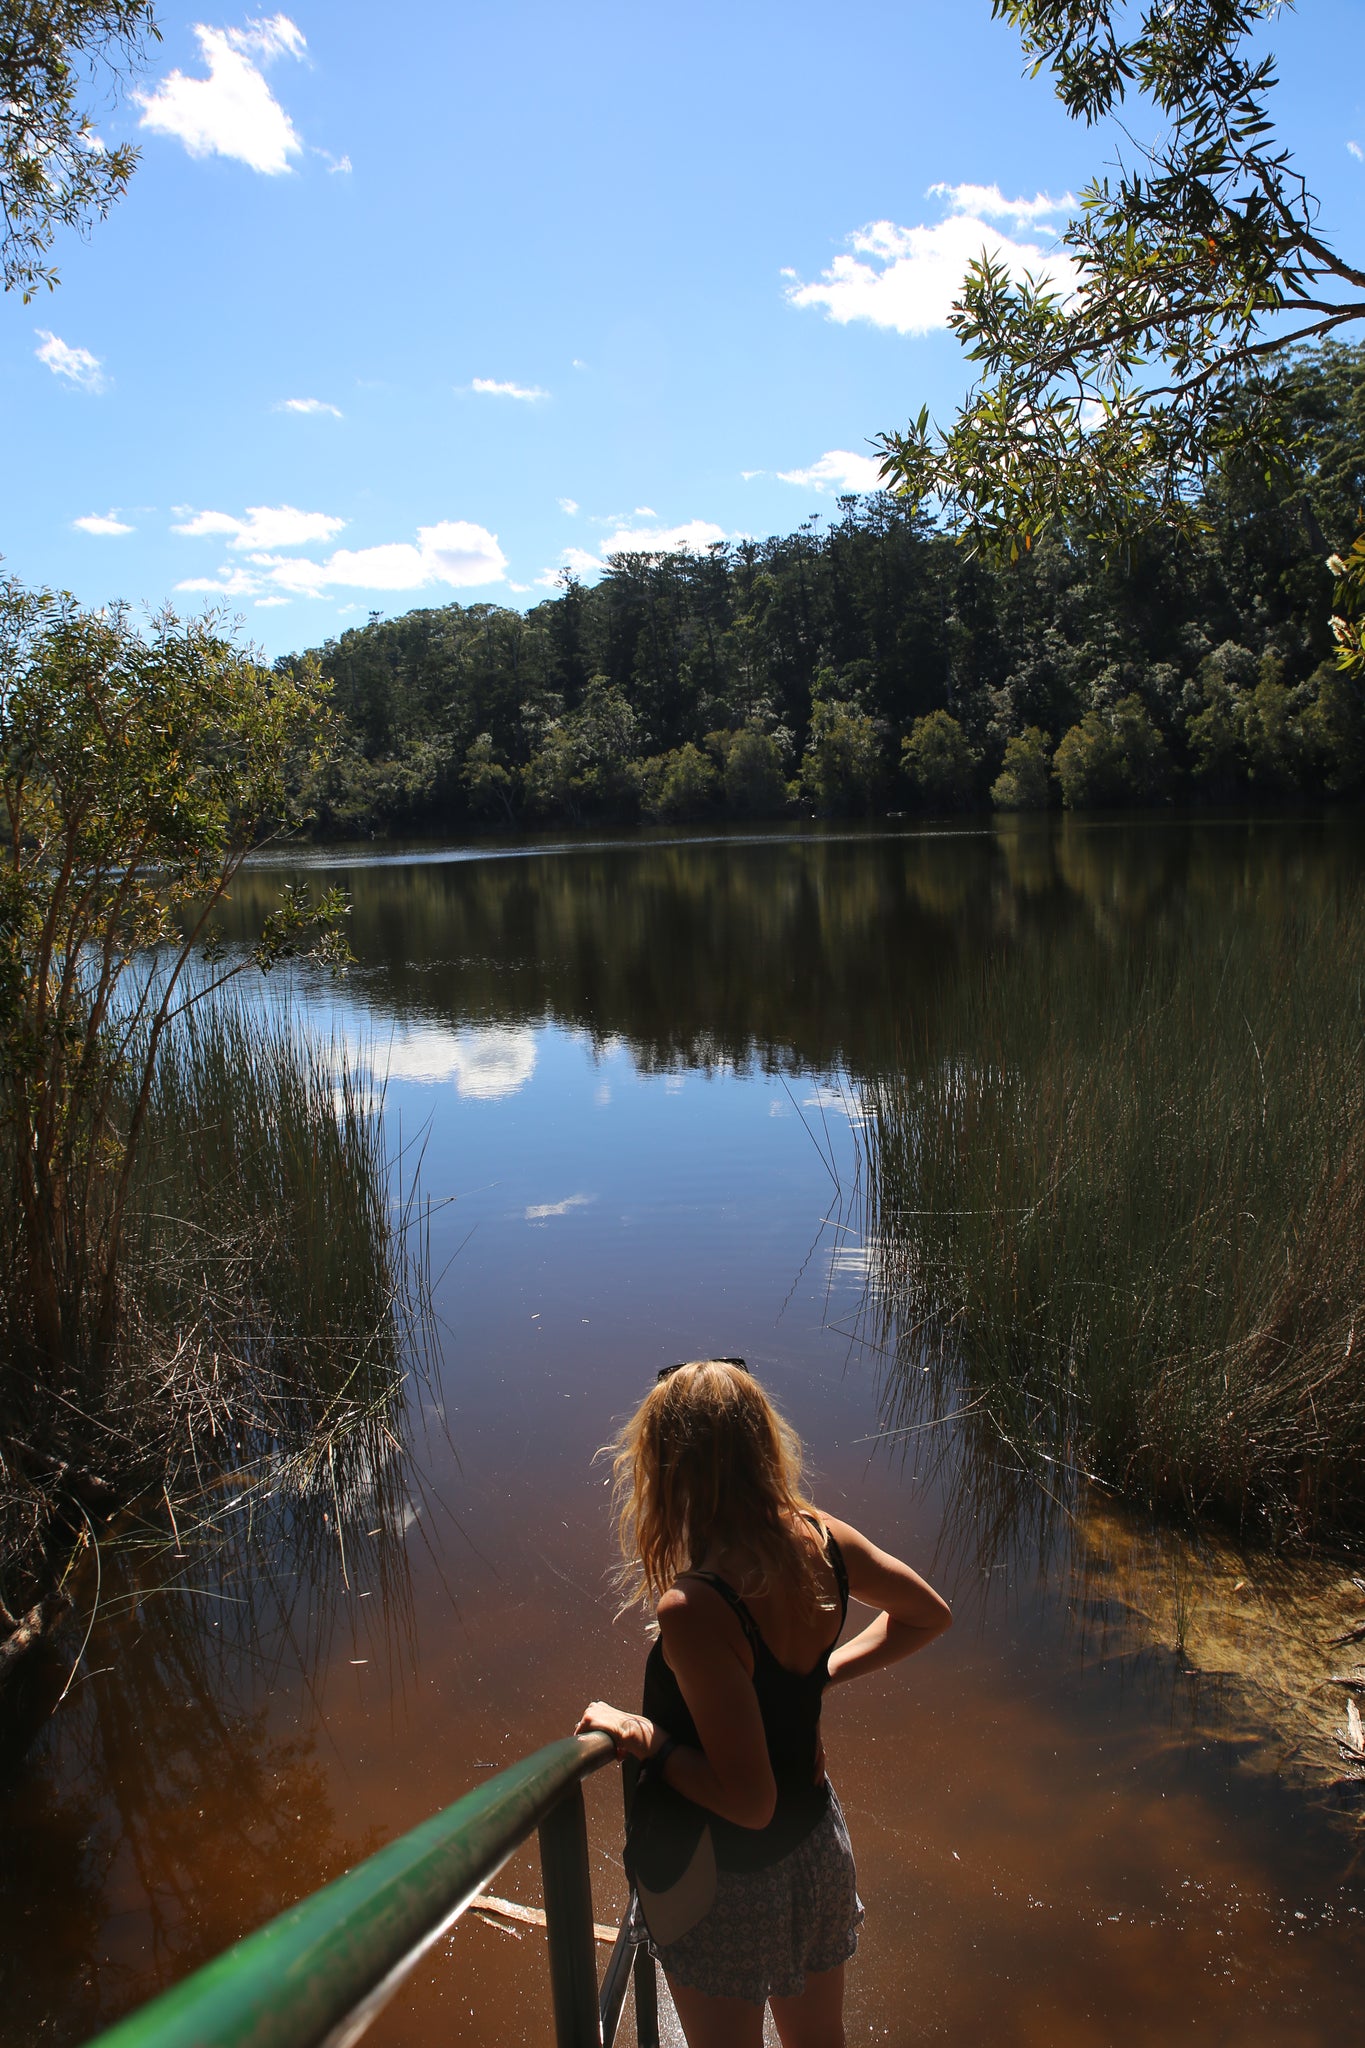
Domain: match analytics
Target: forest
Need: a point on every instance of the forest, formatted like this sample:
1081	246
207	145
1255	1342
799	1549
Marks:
872	664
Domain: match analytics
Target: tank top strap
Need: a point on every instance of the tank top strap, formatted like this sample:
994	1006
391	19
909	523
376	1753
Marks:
836	1561
733	1601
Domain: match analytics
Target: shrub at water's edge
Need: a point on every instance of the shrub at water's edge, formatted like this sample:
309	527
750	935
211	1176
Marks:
1122	1195
137	770
267	1302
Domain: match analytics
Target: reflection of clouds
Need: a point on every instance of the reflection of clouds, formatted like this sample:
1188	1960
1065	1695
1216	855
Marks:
843	1101
850	1261
483	1064
540	1210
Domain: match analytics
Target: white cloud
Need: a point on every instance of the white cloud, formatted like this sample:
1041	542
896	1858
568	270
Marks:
454	552
580	561
540	1210
75	364
491	388
229	582
266	603
569	505
644	512
309	405
232	112
840	469
102	523
265	526
693	537
909	278
1356	151
334	163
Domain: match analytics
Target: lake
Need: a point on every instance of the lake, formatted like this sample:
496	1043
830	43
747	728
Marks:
626	1077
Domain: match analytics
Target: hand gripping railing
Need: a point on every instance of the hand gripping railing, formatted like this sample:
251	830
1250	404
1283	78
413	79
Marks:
316	1976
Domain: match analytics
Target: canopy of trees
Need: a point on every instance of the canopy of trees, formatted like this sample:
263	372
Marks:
876	665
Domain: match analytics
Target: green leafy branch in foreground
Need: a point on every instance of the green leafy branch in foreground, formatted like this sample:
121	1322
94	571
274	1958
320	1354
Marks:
136	773
1115	380
54	170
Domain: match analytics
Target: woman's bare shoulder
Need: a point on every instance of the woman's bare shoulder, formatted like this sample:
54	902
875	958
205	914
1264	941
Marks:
691	1610
689	1596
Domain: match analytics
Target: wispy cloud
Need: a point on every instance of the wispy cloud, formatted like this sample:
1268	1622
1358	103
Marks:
77	365
309	405
839	469
263	526
491	387
909	278
1357	152
569	505
101	523
540	1210
232	112
455	552
988	202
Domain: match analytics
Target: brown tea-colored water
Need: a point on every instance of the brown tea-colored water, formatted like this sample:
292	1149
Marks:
631	1072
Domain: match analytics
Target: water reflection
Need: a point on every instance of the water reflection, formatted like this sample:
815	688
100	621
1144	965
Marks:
170	1810
169	1805
805	953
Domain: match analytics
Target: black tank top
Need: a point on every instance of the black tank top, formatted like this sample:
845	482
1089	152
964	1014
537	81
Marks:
789	1703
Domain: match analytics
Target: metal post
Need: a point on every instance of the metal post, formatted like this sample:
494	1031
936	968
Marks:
645	1982
567	1889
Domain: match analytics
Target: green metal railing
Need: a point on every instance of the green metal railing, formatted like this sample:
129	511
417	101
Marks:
316	1976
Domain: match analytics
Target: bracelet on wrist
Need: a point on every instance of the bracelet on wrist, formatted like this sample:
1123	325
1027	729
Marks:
662	1754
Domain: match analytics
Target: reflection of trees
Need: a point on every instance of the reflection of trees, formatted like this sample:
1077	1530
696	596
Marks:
164	1813
809	951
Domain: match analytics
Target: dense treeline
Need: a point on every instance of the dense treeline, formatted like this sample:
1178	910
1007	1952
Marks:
873	664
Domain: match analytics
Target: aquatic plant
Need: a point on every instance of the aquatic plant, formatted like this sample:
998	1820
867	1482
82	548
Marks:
1116	1193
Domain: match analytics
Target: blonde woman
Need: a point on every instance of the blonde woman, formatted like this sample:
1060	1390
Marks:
736	1842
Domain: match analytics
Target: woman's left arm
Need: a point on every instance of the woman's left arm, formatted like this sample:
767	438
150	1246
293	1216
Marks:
731	1773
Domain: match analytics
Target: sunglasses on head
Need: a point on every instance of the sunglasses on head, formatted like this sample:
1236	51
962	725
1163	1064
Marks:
665	1370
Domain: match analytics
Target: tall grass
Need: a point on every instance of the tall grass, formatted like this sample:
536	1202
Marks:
1117	1209
270	1303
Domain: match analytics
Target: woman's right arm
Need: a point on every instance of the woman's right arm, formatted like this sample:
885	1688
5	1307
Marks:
911	1615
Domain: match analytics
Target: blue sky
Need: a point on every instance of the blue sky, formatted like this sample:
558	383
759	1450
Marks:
426	303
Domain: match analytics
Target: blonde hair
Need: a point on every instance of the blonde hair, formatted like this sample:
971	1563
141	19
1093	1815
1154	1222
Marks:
706	1463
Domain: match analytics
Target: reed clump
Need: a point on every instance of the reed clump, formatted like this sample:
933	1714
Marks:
269	1298
1117	1196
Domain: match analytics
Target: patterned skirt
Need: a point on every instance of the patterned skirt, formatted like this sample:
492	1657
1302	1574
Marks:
769	1928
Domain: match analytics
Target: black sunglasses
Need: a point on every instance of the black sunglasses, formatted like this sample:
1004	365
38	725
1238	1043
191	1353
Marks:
665	1370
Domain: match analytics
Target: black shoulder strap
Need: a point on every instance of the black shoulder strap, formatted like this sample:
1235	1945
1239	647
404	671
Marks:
836	1558
837	1565
731	1597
